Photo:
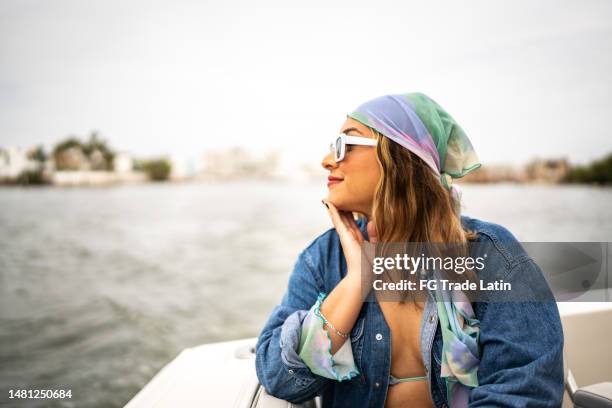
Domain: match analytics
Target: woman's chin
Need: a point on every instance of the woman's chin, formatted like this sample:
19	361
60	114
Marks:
340	204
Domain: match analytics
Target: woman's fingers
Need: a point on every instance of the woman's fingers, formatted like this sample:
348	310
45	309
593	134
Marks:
336	218
354	228
343	222
351	239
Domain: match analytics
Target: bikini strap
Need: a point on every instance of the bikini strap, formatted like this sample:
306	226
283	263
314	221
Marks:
394	380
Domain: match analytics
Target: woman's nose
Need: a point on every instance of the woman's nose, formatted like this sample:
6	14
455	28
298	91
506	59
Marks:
329	162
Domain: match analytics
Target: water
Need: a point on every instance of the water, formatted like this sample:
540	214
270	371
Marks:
100	287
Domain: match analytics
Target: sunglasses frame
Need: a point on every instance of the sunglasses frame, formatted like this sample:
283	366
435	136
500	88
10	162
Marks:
338	147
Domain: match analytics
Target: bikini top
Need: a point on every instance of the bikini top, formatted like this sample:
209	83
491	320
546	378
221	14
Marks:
394	380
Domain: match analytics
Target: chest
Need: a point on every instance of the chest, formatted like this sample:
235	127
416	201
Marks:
393	340
404	321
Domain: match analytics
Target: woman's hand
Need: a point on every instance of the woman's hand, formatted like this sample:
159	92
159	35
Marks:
351	238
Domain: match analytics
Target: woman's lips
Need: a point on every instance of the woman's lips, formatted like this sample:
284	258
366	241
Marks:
333	180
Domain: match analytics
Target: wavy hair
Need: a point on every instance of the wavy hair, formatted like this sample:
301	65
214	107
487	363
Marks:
411	206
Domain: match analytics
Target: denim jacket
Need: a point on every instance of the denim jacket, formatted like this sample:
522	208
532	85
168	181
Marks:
521	342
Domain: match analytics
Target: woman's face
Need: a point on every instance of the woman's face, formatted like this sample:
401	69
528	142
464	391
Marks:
358	172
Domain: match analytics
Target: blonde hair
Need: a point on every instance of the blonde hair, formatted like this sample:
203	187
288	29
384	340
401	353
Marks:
410	204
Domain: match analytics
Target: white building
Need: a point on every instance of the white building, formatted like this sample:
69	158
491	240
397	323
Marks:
123	163
291	166
238	163
181	167
14	161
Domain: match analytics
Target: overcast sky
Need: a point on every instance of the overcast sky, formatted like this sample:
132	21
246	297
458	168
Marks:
524	78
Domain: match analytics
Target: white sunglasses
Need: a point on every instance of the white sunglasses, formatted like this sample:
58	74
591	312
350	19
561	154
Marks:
338	147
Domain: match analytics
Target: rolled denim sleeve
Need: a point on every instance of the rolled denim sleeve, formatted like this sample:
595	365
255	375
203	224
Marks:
522	348
279	367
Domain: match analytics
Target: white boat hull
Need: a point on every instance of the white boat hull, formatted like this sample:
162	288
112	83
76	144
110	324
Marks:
223	374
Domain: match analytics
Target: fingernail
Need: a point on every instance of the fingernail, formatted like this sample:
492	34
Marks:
324	203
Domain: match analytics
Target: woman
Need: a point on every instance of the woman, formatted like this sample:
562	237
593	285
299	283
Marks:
393	166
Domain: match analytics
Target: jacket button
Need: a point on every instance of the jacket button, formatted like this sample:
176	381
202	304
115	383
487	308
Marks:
378	336
431	319
377	385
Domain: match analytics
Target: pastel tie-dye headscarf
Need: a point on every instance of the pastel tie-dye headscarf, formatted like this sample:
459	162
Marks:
418	123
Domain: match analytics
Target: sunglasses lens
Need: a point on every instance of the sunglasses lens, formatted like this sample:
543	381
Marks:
338	148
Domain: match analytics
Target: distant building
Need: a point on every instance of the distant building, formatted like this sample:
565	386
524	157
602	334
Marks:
547	171
71	159
292	167
96	177
14	161
97	161
81	171
123	163
182	167
493	173
538	171
237	163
